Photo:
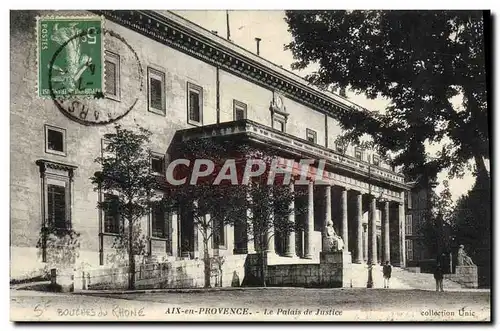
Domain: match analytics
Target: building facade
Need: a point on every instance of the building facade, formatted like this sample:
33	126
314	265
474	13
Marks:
181	81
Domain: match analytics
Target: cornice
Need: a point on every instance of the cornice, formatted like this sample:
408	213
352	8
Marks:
44	164
183	35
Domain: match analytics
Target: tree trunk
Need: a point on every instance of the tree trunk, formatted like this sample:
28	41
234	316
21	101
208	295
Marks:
206	262
131	258
482	173
264	267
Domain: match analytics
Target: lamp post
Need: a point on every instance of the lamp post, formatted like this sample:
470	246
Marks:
371	217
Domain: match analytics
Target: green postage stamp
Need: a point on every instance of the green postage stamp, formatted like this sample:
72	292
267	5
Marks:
70	56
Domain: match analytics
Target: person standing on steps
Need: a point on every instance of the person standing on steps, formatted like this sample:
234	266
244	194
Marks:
438	276
386	270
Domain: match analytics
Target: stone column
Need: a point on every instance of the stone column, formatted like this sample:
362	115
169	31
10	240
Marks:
229	233
327	216
359	226
269	237
402	231
196	240
290	244
372	231
174	235
365	243
249	225
385	230
309	228
343	207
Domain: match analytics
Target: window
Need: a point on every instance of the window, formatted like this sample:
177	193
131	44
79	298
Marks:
311	135
219	235
279	124
56	190
158	163
195	104
239	110
112	75
376	160
409	249
55	140
111	214
56	206
409	225
156	91
408	199
159	223
358	154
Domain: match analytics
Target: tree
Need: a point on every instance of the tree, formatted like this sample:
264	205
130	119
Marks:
436	228
211	208
419	60
271	207
126	174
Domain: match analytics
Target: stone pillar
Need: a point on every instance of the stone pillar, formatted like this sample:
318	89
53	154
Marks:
385	230
196	240
372	231
327	217
249	225
174	235
269	237
365	242
402	231
290	244
309	228
343	207
359	226
229	233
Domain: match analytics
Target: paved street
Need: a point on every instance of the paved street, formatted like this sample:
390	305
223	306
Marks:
256	304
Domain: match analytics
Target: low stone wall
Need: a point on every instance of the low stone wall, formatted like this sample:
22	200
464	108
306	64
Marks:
170	274
333	270
302	275
465	275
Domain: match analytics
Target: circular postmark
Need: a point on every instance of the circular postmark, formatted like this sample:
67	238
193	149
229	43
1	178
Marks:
107	104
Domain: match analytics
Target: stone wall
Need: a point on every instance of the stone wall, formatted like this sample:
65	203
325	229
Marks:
170	274
465	275
333	270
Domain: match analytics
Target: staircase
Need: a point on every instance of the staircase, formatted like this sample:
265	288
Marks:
423	281
400	279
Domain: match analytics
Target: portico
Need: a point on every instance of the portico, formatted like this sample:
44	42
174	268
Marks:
364	202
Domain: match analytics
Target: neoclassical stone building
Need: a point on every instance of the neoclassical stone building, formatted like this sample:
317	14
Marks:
183	82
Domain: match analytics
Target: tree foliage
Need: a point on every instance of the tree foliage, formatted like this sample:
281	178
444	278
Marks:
419	60
126	174
437	222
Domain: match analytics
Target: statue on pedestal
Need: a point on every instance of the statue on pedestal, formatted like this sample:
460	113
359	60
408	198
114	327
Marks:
462	258
334	242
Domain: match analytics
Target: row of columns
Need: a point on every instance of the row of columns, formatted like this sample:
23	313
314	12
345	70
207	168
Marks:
365	245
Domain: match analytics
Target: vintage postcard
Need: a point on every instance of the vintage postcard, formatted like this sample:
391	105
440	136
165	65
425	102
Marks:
250	166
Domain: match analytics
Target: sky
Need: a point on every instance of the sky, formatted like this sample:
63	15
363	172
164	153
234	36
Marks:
269	25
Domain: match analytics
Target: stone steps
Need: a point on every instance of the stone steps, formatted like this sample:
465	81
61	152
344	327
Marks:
422	281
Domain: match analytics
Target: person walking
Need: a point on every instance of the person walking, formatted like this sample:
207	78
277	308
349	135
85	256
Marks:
386	270
438	276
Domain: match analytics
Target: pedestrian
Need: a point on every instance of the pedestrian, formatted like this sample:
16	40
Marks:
438	276
386	270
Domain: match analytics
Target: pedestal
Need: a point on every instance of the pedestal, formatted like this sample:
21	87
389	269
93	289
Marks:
64	279
335	269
